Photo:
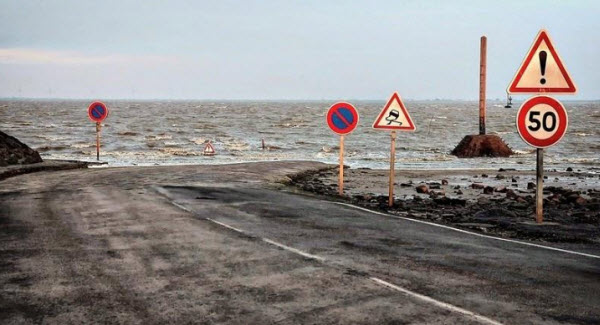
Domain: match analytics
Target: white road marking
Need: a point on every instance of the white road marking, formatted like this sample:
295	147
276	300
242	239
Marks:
293	250
468	232
430	300
438	303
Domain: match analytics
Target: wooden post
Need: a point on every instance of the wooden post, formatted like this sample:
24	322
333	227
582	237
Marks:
392	169
539	195
98	126
482	75
263	143
341	177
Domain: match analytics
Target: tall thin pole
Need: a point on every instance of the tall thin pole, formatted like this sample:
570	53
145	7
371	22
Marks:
341	177
392	169
98	126
539	195
482	76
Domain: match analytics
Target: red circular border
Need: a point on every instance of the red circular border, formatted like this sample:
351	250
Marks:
351	127
522	119
94	104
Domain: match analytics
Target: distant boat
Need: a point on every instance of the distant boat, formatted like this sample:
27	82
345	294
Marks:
508	102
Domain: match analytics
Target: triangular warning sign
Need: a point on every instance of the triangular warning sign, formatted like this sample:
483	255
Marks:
542	70
394	116
209	150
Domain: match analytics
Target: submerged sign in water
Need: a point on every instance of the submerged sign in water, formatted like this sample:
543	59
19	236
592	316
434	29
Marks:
97	112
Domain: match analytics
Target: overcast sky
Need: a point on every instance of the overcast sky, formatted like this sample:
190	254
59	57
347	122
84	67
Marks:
284	49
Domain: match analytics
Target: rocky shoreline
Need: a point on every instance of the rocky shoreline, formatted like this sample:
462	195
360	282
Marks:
500	204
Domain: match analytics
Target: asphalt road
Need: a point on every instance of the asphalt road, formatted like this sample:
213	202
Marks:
229	245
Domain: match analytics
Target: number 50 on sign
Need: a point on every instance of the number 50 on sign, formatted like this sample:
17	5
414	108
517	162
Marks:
542	121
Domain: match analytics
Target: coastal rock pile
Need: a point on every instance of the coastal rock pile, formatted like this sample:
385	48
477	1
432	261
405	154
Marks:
13	151
482	145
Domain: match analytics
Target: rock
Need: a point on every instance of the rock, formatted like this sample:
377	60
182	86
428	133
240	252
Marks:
444	182
477	186
459	192
580	201
13	151
514	180
488	190
456	187
409	184
422	189
500	176
530	186
435	186
484	175
500	189
569	169
481	145
511	194
437	193
450	201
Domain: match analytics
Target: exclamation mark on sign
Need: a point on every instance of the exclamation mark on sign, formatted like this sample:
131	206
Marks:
543	55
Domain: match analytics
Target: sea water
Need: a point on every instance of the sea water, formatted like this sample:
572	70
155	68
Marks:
175	132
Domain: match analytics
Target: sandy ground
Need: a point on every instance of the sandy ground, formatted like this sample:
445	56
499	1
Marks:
235	244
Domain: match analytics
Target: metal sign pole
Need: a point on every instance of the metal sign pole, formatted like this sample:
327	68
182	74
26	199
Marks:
539	196
341	177
98	126
392	168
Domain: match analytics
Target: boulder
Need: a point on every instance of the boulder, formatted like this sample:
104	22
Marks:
488	190
13	151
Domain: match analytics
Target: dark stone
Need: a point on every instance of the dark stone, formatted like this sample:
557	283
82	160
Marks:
449	201
488	190
13	151
500	176
444	182
569	169
477	186
422	189
530	186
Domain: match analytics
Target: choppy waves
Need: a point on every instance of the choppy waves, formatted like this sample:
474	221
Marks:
169	132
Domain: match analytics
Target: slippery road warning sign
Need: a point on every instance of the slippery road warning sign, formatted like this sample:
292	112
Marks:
542	70
394	116
542	121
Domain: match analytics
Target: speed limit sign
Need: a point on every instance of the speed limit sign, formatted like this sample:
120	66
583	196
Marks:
542	121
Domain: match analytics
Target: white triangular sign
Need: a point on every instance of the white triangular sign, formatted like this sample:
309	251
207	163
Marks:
209	150
542	70
394	116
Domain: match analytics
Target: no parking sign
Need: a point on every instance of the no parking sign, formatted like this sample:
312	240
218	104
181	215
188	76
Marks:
342	119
